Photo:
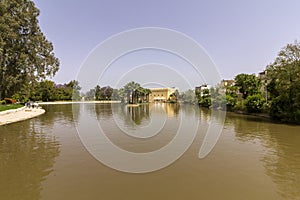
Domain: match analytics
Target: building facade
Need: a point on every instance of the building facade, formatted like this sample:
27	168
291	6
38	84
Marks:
161	94
200	90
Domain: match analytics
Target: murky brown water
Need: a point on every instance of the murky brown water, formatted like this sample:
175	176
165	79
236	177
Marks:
43	158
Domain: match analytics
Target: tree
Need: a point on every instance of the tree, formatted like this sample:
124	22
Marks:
97	92
174	96
73	89
247	84
188	97
106	93
90	95
131	90
255	103
45	91
26	56
284	84
205	98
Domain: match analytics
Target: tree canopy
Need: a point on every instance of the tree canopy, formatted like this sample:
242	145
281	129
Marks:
248	84
26	56
284	84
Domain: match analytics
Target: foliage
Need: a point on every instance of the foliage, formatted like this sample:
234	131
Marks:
247	84
10	106
49	91
240	106
106	93
255	103
46	91
219	102
90	95
231	101
284	84
135	93
204	99
26	56
97	92
188	97
73	90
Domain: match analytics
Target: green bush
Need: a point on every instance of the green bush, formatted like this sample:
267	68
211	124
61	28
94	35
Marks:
240	106
230	102
254	103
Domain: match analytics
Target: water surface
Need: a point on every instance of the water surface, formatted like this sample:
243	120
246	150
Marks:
43	158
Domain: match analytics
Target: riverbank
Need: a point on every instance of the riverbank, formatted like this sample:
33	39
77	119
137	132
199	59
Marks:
264	115
20	114
75	102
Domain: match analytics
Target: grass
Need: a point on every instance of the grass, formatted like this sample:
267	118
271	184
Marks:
10	106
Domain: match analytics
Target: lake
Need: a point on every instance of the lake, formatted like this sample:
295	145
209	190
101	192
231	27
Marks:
45	157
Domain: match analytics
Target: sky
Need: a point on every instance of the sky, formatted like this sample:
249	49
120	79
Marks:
238	36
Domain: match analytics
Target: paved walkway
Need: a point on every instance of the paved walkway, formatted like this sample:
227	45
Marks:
20	114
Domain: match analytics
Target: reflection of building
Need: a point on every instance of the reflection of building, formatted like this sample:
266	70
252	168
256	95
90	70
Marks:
161	94
170	109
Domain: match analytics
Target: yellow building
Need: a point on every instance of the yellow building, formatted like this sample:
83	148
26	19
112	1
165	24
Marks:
161	94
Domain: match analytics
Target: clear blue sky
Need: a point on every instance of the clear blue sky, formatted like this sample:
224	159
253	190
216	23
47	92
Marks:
240	36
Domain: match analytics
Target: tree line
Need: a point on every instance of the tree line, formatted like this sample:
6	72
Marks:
280	98
131	93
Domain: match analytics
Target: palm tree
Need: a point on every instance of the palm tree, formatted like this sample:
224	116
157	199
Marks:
147	92
131	90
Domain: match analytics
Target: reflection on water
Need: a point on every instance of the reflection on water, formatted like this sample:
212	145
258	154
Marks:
281	155
26	158
128	126
43	158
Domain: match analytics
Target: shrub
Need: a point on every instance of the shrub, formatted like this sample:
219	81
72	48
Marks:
240	106
230	102
254	103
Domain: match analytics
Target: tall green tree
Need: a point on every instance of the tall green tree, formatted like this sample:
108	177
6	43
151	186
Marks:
284	84
106	92
46	91
26	56
97	92
131	91
74	89
247	84
90	95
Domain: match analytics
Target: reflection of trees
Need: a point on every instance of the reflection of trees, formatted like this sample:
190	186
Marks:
283	160
139	113
246	127
26	158
63	112
102	110
282	156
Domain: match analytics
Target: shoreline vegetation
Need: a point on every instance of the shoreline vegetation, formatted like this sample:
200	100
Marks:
276	92
23	113
10	107
77	102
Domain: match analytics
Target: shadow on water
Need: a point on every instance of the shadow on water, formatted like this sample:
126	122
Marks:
26	157
281	157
